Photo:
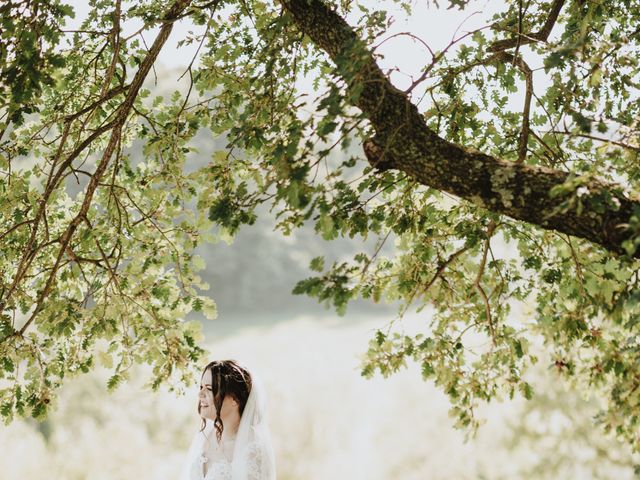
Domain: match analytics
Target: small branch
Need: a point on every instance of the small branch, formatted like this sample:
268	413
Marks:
576	261
405	34
526	111
519	37
90	32
551	156
107	96
598	139
438	274
17	225
375	254
526	39
115	39
436	58
442	266
478	287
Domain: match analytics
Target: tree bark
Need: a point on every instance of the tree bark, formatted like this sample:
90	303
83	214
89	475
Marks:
404	142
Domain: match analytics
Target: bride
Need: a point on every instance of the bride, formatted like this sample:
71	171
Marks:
233	442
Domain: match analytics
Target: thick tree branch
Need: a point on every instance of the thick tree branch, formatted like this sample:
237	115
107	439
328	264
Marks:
404	142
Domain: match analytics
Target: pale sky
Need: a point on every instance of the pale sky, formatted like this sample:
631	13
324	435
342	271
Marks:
434	26
404	57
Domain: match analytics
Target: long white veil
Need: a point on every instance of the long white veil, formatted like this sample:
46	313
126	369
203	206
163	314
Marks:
253	455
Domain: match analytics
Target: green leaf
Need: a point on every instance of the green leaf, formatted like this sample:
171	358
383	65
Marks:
317	264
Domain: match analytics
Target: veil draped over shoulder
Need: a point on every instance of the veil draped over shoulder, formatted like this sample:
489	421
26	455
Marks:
253	455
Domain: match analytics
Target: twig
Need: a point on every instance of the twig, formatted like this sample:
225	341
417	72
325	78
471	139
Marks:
526	111
487	308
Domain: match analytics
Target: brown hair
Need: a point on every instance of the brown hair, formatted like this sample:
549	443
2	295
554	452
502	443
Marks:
227	378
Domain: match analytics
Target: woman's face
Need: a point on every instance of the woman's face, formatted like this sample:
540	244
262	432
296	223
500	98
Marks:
229	410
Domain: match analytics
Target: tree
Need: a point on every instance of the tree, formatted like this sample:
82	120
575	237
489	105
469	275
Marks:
111	271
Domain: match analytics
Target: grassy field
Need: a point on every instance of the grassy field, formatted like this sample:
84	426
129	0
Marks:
327	421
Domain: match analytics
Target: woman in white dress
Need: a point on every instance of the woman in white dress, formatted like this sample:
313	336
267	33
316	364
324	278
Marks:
234	442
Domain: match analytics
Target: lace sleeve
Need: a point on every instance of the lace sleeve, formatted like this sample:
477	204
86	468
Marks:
254	462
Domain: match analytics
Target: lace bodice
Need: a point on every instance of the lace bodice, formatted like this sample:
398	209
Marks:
219	466
220	470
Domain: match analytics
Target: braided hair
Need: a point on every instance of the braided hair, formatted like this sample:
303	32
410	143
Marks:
227	378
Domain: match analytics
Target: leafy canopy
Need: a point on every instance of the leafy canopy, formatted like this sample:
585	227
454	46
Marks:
97	241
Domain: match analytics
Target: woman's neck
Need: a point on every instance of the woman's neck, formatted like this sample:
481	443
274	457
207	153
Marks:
230	432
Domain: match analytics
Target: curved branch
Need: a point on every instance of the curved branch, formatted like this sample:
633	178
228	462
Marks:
404	142
524	39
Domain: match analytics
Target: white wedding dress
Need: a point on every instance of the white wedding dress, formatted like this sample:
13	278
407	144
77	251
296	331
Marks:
247	455
219	458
